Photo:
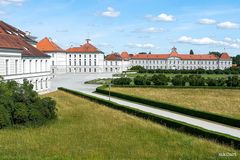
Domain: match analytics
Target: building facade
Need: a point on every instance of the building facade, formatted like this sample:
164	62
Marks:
176	61
20	60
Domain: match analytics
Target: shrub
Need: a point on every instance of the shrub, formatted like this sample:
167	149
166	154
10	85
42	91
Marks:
233	81
20	115
196	80
212	82
4	117
160	79
179	80
139	69
20	104
121	81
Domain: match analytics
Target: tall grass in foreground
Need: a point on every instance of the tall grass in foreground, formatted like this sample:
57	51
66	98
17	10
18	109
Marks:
86	130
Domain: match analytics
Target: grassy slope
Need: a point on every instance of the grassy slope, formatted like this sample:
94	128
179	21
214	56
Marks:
220	101
88	130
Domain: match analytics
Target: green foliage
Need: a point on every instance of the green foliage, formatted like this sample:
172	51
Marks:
121	81
191	52
4	117
160	79
196	80
179	80
142	80
20	104
233	81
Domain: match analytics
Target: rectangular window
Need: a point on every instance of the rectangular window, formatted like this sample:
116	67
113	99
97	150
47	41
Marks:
7	66
95	62
30	66
36	67
41	66
16	66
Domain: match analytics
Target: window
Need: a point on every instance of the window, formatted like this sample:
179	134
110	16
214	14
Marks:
36	85
41	84
80	62
46	65
36	67
70	63
46	83
90	62
16	66
30	66
85	62
75	62
95	70
24	66
41	66
7	66
52	63
95	56
95	62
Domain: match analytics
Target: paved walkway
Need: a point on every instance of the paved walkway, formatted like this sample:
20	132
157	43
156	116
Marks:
76	82
217	127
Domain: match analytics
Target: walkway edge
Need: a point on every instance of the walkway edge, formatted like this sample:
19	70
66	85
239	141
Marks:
174	108
174	124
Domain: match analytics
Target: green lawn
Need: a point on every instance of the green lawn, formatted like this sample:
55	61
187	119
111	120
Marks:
86	130
220	101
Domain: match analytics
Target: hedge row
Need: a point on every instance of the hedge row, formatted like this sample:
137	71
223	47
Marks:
187	111
180	126
179	80
232	70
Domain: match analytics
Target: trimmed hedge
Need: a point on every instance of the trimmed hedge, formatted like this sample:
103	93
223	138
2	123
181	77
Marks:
180	126
195	113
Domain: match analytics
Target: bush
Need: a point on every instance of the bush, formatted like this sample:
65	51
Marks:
139	69
160	79
212	82
142	80
4	117
196	80
20	104
121	81
179	80
20	115
233	81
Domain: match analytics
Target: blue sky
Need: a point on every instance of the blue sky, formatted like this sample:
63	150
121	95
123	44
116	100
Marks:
131	25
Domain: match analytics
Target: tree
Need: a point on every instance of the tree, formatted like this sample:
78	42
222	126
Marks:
191	52
121	81
160	79
179	80
218	54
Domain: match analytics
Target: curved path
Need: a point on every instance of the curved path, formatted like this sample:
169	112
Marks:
76	82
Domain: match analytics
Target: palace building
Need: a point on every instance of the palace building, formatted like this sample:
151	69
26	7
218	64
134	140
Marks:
20	60
177	61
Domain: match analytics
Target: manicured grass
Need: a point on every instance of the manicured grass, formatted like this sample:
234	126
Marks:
220	101
86	130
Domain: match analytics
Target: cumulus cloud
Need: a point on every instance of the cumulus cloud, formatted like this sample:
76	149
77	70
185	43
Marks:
228	25
161	17
209	41
142	46
9	2
207	21
111	12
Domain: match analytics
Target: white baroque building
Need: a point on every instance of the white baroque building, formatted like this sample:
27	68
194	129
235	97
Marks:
88	59
20	60
83	59
176	61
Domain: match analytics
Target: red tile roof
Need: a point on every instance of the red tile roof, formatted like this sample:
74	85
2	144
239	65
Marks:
8	29
47	45
225	56
86	48
125	55
174	53
14	42
114	57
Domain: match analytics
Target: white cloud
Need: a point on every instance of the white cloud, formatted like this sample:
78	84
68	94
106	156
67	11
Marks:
228	25
9	2
153	30
207	21
162	17
111	12
209	41
142	46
